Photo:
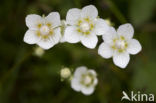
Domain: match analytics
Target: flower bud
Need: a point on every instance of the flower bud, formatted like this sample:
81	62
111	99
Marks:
39	51
65	73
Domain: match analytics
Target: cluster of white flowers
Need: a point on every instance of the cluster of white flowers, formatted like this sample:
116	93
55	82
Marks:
83	25
80	26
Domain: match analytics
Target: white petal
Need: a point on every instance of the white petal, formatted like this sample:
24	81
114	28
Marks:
62	40
121	59
72	16
134	46
46	44
110	35
31	37
56	36
101	27
79	71
54	19
87	90
95	81
92	72
33	20
75	84
89	41
71	35
126	30
89	11
105	50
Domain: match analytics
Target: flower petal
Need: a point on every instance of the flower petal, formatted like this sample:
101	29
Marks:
105	50
75	84
92	72
89	11
72	16
56	36
121	59
46	44
101	27
31	37
126	30
33	20
71	35
95	81
110	35
79	71
134	46
62	40
87	90
54	19
89	41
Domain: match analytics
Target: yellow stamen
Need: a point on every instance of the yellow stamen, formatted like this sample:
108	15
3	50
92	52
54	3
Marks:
122	38
39	25
38	33
79	22
87	19
48	24
45	36
51	31
87	33
79	30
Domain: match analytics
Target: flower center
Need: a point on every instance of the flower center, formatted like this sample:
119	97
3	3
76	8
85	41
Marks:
87	80
44	30
85	27
119	44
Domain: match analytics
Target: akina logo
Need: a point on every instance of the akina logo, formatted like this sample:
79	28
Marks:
138	97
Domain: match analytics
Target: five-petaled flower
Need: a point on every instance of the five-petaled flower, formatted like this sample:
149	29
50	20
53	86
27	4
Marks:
119	44
43	31
84	25
84	80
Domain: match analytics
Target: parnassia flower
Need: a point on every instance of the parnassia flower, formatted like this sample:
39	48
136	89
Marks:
43	31
84	26
84	80
119	44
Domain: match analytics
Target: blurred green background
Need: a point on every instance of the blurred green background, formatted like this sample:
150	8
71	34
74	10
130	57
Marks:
26	78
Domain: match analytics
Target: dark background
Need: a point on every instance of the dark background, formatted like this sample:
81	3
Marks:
25	78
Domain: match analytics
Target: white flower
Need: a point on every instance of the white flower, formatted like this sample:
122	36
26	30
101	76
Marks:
84	80
43	31
84	26
119	44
